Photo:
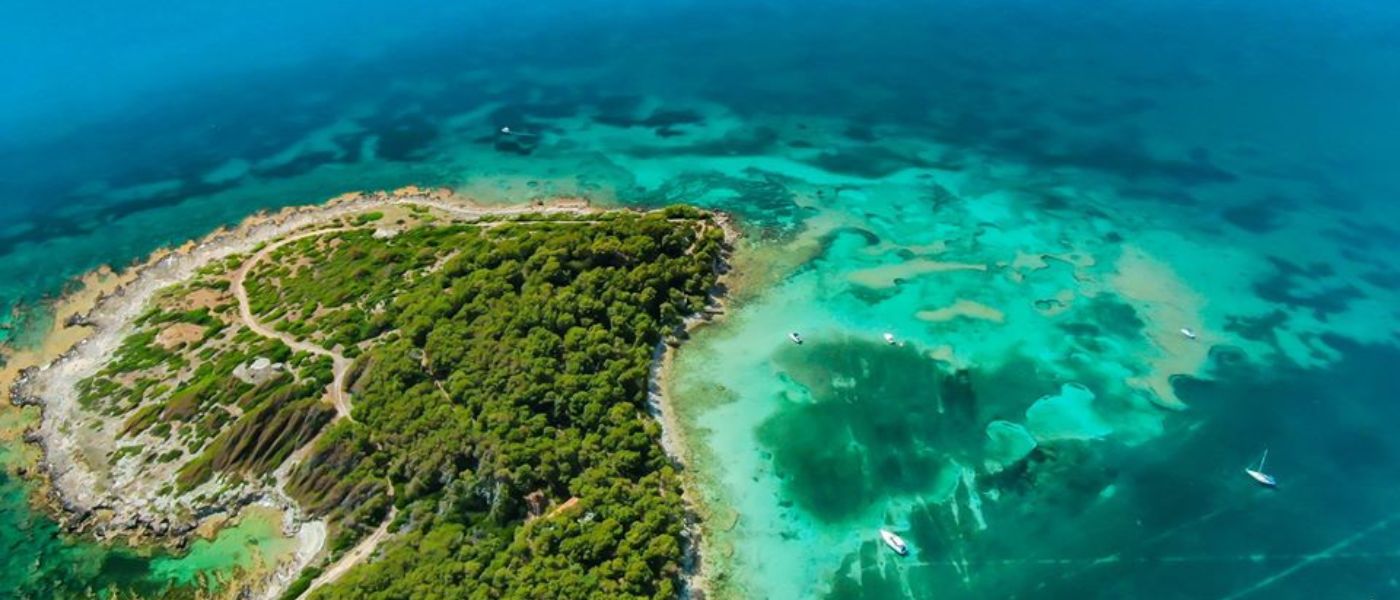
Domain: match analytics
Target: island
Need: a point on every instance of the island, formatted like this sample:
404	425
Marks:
441	399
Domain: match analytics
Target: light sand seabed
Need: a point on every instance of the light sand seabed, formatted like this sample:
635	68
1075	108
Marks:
888	276
1167	306
962	308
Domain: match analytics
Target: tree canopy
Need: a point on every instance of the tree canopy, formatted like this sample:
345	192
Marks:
505	403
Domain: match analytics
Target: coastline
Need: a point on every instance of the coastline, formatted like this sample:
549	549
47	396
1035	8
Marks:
695	582
92	319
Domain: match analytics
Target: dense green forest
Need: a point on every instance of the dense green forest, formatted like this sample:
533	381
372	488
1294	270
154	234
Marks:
502	404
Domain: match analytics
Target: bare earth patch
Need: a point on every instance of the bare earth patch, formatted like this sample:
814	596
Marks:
204	298
179	333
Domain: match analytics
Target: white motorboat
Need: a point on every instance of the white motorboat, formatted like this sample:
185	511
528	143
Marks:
1186	331
796	338
889	338
895	542
1258	474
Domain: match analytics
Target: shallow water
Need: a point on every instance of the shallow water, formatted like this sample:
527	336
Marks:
42	562
1033	198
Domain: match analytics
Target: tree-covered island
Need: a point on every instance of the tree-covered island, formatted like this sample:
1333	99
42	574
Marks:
458	397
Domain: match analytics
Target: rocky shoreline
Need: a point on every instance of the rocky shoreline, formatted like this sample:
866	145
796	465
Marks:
694	580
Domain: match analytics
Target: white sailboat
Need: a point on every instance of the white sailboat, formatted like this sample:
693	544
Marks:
796	338
1258	474
1186	331
889	338
895	542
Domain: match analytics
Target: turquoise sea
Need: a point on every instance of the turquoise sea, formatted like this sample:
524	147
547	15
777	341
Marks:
1033	197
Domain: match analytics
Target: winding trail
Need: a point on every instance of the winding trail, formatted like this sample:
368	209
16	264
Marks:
339	364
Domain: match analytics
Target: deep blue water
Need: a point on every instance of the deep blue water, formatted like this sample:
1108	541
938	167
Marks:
106	96
1263	135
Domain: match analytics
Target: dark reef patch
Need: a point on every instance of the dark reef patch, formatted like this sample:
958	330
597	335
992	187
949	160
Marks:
1260	216
1258	329
873	296
1280	287
666	122
762	198
1133	162
884	422
1126	158
404	138
873	429
302	164
617	103
102	209
513	142
941	197
870	162
1175	197
1093	111
859	132
1104	325
754	140
673	118
1050	201
867	237
1363	236
1387	279
351	146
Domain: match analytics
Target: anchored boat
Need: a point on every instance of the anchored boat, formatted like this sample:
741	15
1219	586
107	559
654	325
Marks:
895	542
796	338
889	338
1258	474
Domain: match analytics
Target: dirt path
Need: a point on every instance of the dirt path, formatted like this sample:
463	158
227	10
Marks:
336	390
339	364
355	556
